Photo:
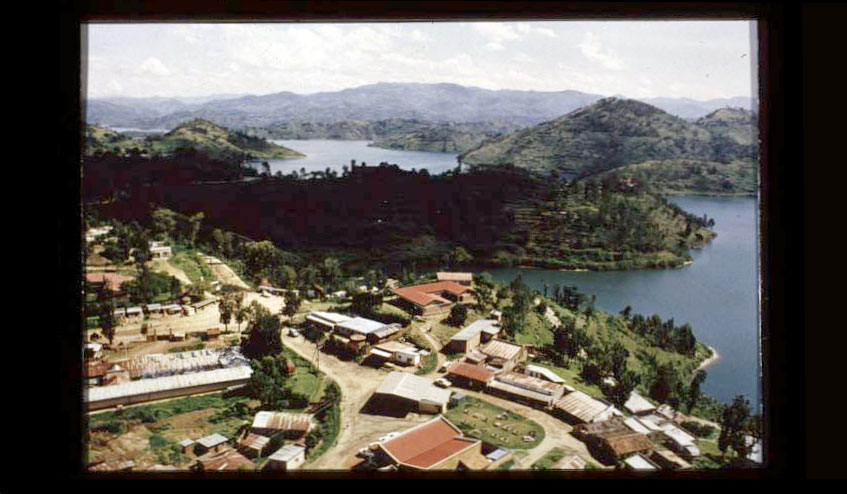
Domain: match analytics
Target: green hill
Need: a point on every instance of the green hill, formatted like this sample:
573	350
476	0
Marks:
202	135
613	133
685	176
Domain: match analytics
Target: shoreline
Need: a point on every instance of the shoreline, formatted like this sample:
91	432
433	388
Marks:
709	361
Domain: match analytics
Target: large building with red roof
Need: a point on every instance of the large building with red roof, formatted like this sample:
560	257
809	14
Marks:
434	445
434	298
113	281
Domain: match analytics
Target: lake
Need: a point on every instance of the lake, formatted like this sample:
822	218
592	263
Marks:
718	294
323	154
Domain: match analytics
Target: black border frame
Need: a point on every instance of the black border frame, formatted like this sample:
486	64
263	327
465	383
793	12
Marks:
772	27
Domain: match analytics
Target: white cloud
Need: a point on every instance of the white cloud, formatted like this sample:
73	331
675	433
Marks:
593	49
152	66
496	32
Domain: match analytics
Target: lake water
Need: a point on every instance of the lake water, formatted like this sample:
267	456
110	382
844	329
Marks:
323	154
718	294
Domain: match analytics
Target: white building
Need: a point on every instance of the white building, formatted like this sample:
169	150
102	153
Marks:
289	457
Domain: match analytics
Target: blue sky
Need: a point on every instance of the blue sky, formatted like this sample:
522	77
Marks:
639	59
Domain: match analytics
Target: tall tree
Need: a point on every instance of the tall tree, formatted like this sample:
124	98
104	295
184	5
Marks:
163	222
193	227
734	426
694	389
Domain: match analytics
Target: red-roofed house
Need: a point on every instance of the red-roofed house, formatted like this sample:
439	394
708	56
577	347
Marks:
112	280
434	445
434	298
469	375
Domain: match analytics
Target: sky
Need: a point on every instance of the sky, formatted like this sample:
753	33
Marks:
638	59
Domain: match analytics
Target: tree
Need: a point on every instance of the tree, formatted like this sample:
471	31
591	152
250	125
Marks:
225	308
694	389
626	383
163	222
485	291
106	313
259	255
292	304
176	288
618	355
365	303
665	385
734	426
193	227
218	241
458	314
331	272
264	338
460	257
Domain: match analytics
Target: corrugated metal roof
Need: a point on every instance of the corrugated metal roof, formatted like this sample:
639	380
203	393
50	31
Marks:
380	353
531	383
361	325
327	318
547	373
212	440
254	441
287	453
580	405
637	426
386	331
475	328
638	462
501	349
515	390
470	371
413	387
677	435
638	404
570	462
497	454
145	386
281	421
449	276
396	346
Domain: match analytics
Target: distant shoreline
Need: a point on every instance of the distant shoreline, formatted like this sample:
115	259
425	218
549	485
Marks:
709	361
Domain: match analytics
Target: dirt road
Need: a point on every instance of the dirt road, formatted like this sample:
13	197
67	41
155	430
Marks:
224	273
163	266
357	384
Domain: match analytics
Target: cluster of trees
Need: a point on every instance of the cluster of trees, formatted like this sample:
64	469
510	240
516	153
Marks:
269	384
515	315
663	334
263	333
329	420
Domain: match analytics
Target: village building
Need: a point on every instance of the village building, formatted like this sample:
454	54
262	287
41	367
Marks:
253	445
542	373
638	405
95	372
398	353
95	232
583	431
469	376
640	462
326	321
290	425
680	442
93	351
116	374
471	336
670	413
112	281
635	425
499	355
187	446
570	462
611	447
387	333
358	325
158	250
401	392
289	457
433	298
134	312
223	461
578	407
203	304
212	443
434	445
163	468
526	389
461	278
668	460
159	388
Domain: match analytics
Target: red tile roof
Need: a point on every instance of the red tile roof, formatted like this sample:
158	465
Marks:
427	293
113	280
470	371
426	445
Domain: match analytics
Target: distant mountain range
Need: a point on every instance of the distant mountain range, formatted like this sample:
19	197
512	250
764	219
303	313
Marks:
437	103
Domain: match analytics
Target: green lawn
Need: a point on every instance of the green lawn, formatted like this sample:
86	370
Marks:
549	459
189	262
479	419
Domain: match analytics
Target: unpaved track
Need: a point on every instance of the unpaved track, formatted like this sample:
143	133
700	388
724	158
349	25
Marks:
163	266
357	384
223	272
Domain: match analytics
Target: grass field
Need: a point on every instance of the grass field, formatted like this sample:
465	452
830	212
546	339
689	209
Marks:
550	459
495	425
189	262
